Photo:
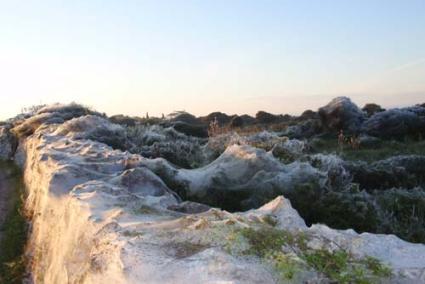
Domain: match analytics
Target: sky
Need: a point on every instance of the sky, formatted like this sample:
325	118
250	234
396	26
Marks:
134	57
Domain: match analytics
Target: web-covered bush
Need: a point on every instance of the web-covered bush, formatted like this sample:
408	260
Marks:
159	142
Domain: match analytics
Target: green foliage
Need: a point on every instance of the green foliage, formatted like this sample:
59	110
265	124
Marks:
341	267
270	244
12	265
267	244
402	212
266	240
382	150
270	219
341	210
285	266
392	211
377	268
12	262
333	264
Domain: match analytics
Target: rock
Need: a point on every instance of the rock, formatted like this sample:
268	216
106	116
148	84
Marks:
114	219
396	123
141	182
30	125
287	217
342	113
389	248
95	220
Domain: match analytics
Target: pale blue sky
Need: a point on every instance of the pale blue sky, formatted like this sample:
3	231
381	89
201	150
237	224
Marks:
235	56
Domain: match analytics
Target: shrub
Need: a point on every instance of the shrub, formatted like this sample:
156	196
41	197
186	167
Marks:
372	108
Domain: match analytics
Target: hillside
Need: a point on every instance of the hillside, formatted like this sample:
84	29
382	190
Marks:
220	198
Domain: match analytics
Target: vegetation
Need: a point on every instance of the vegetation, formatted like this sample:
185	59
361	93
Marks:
402	212
391	211
342	210
341	267
290	254
371	109
12	262
380	150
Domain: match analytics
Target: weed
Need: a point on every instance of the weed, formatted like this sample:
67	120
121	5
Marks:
377	268
288	252
266	240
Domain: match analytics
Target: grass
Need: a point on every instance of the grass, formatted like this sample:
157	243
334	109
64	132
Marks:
12	262
288	252
262	242
384	149
377	267
341	267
